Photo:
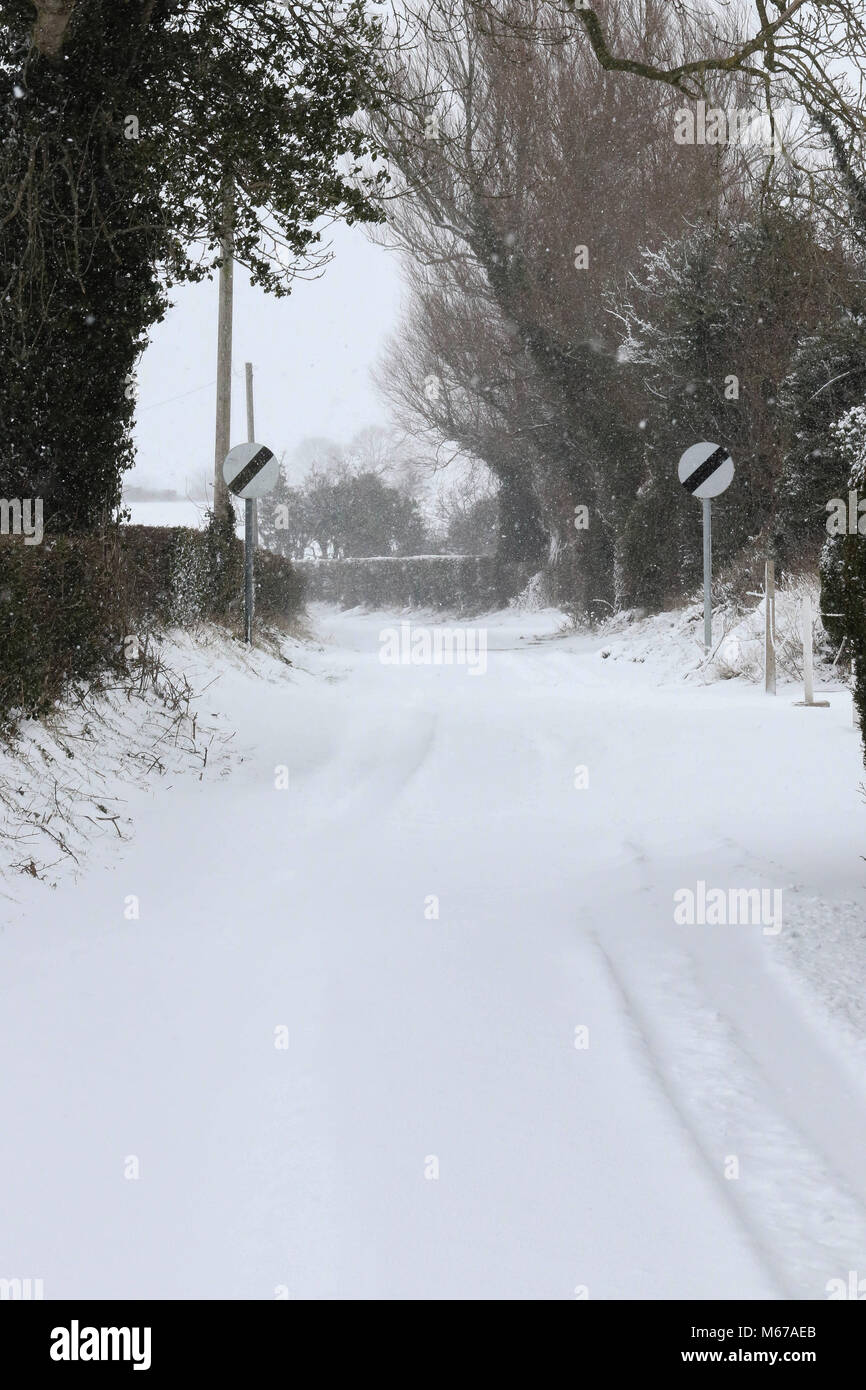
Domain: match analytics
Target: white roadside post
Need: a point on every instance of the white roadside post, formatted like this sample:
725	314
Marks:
808	683
705	470
250	470
806	620
770	627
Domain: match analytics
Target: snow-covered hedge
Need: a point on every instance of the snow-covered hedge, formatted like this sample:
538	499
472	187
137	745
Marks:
448	583
69	606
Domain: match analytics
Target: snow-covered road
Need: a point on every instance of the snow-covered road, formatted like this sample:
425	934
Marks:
508	1071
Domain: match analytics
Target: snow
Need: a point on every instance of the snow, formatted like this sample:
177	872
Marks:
300	1171
168	513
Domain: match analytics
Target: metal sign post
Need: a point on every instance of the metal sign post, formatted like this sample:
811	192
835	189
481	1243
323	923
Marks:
249	563
251	538
705	470
708	572
250	471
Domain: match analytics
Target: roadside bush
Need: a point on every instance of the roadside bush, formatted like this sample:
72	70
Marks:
68	604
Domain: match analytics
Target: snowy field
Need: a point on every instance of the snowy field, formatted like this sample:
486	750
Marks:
170	513
406	1010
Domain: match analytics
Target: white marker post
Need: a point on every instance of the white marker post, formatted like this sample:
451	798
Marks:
770	627
808	682
705	470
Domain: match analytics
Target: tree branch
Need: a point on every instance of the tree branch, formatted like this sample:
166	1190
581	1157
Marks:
733	62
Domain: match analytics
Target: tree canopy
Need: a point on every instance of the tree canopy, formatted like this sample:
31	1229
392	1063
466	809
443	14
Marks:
122	122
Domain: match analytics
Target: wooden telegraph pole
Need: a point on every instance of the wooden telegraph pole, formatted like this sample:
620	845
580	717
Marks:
221	501
251	434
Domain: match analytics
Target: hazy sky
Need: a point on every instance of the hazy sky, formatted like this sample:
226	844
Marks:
312	355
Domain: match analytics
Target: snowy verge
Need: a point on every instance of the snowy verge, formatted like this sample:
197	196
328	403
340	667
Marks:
69	782
822	959
671	643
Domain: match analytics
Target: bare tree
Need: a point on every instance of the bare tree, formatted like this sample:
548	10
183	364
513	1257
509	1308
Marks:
808	52
528	180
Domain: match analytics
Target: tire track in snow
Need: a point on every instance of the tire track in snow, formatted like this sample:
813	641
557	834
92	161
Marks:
661	1075
747	1074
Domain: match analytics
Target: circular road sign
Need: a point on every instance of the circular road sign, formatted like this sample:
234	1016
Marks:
705	470
251	470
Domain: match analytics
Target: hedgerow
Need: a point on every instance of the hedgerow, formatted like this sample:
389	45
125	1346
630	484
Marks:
69	605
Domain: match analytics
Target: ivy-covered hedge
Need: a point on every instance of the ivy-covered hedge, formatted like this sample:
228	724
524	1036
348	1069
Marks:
843	562
67	605
843	608
449	583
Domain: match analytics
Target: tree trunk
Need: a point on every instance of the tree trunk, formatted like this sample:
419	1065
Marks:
52	21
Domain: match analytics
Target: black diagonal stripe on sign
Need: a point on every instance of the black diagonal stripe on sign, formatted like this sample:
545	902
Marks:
706	469
249	470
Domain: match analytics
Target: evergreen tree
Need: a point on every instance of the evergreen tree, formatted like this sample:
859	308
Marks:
121	124
350	515
715	327
827	378
843	562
